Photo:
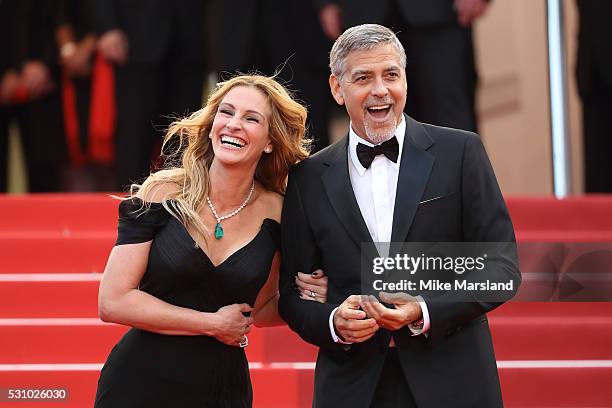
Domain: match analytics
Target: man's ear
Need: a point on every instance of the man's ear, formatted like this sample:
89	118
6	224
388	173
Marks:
336	90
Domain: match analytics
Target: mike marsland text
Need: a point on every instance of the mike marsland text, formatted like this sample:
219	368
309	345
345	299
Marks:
438	285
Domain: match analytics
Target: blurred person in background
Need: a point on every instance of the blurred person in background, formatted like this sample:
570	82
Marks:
276	36
437	37
158	51
594	78
77	42
31	89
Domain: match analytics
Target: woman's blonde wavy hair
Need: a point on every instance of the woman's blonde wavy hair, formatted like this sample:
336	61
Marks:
186	169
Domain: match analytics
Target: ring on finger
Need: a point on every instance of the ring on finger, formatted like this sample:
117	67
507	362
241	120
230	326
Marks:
313	294
244	341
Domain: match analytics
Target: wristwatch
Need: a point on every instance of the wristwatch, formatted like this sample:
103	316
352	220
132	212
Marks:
417	325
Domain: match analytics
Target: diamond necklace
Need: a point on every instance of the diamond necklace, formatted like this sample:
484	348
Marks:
218	227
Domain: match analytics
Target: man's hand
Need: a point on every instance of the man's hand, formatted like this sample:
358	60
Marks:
331	21
407	310
469	10
79	62
351	323
36	78
114	46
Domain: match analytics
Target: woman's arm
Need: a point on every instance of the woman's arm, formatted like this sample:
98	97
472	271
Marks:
265	311
120	301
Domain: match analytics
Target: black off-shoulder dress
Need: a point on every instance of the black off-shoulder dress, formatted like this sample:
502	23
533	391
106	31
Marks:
147	369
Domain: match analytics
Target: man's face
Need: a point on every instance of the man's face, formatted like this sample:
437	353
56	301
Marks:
373	89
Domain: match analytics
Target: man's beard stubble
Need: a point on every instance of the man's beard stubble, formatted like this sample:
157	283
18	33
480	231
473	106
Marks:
380	134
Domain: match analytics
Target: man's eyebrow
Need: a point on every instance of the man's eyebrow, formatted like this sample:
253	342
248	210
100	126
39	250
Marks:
360	72
392	68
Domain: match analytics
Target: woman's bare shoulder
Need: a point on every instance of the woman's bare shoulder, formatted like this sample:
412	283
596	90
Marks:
271	204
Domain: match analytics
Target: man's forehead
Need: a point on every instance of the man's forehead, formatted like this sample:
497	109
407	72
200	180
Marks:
382	56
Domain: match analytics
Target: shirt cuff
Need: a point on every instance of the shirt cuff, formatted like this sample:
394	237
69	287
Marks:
332	330
426	322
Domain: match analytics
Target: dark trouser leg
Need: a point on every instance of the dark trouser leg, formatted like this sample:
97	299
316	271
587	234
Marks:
392	390
137	100
42	131
441	75
183	91
82	88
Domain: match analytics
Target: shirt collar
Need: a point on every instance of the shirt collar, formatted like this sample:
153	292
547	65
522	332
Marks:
400	131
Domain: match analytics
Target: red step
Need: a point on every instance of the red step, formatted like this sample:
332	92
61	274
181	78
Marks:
99	211
591	212
527	338
58	212
521	387
76	295
553	309
89	342
556	387
21	299
552	338
83	252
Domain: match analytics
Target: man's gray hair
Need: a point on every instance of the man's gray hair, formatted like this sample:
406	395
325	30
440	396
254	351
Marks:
362	37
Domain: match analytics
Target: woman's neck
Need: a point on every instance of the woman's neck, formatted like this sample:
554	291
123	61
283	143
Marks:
229	186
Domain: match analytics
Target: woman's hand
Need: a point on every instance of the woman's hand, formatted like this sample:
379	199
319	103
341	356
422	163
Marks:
231	325
312	286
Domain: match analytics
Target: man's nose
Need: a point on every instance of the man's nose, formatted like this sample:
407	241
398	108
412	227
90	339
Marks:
379	88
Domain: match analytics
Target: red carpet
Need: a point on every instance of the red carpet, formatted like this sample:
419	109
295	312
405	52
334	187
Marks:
54	247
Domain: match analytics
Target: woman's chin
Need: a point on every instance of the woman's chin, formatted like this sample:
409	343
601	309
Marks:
233	157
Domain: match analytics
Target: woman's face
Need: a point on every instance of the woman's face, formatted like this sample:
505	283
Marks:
240	130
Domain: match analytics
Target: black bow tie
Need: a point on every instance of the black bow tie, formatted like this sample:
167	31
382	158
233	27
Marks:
366	154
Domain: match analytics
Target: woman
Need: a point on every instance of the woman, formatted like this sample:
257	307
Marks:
197	251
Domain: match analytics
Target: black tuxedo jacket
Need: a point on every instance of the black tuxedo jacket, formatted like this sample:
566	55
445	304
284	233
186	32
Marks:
454	365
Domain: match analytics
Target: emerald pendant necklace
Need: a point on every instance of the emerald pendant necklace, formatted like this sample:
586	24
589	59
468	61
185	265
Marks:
218	227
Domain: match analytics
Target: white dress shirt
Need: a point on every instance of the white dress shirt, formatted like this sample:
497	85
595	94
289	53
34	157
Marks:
375	189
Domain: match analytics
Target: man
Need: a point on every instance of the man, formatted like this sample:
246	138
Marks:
35	74
158	50
437	36
421	183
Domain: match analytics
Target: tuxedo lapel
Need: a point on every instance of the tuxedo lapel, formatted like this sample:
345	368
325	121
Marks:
337	183
414	173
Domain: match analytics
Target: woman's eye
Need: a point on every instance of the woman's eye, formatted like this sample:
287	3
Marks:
226	112
252	119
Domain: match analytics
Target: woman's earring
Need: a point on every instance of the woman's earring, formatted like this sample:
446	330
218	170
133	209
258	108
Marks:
268	149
